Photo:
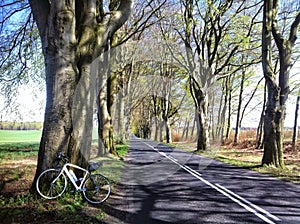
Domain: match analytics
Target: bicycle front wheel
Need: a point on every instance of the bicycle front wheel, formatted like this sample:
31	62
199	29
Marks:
51	183
96	189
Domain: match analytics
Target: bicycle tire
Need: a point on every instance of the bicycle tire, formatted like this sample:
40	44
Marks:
51	183
96	189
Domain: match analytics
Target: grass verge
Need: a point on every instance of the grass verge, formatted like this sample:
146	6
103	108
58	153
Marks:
17	205
113	165
249	157
31	209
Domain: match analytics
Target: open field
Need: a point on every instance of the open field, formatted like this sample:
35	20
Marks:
7	136
20	136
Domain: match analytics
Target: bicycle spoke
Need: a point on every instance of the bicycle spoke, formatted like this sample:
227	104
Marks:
51	184
96	189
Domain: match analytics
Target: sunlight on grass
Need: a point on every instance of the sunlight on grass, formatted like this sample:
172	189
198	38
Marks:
20	136
251	159
122	149
291	172
113	165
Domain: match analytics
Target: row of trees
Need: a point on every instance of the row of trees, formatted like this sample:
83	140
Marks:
10	125
172	60
207	30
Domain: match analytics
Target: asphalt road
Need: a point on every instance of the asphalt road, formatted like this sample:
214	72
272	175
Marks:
161	184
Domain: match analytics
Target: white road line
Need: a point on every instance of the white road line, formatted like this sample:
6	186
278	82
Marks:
229	194
249	203
186	168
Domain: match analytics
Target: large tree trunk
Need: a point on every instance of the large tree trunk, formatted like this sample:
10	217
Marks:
165	116
228	125
58	114
193	128
111	98
273	128
121	117
203	126
222	113
73	34
82	116
200	98
123	108
105	138
104	121
156	128
156	108
68	114
274	115
168	131
277	94
187	129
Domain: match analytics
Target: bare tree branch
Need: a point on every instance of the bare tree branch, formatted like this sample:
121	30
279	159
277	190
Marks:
294	29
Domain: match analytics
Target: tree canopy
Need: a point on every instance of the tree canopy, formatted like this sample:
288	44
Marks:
182	67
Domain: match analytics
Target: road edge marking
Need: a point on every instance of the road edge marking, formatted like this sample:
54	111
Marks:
227	193
249	203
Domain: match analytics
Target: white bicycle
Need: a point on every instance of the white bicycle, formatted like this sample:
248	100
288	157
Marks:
52	183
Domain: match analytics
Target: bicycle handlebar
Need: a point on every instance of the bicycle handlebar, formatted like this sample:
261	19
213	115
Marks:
63	157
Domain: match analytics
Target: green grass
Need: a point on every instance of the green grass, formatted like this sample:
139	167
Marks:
16	145
122	149
112	165
20	136
252	161
18	206
291	172
66	209
236	162
17	150
249	160
7	136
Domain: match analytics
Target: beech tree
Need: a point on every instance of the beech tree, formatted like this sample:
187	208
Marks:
211	46
136	25
277	93
73	33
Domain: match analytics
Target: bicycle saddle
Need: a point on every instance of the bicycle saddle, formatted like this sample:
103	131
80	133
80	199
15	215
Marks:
94	166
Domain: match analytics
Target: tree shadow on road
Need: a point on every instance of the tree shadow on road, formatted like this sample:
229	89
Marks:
141	216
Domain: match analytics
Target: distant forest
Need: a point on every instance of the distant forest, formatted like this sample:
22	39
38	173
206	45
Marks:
14	125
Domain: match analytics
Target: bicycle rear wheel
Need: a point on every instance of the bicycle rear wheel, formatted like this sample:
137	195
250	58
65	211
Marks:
51	183
96	189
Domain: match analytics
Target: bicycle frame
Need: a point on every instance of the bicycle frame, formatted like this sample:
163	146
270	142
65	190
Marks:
67	172
94	187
